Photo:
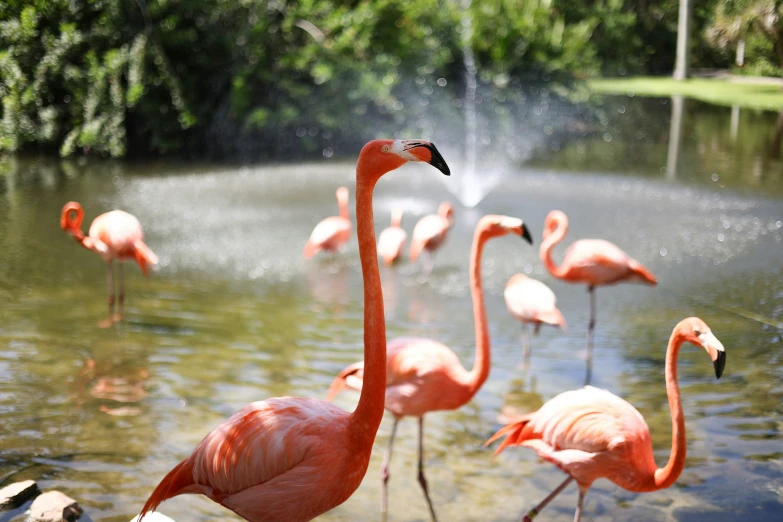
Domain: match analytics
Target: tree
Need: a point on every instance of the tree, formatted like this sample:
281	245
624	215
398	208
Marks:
682	65
737	19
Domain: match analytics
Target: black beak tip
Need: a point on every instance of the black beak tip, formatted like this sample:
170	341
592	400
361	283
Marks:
437	160
526	234
719	364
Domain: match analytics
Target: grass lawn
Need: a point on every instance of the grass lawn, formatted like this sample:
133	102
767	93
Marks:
720	91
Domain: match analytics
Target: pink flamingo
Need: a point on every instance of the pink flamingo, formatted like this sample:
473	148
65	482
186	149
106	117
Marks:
594	262
423	375
333	232
115	235
429	234
290	458
531	301
392	239
591	433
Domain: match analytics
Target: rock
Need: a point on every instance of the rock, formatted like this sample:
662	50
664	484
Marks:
16	494
153	517
54	506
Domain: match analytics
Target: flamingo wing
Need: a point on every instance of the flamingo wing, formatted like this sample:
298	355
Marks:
596	261
391	242
328	228
408	358
528	299
589	419
429	228
119	231
260	442
422	376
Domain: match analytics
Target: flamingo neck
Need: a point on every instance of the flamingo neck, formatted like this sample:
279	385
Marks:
367	416
343	206
665	477
73	225
480	371
396	219
545	252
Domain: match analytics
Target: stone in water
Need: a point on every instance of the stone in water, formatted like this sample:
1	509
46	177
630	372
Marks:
16	494
54	506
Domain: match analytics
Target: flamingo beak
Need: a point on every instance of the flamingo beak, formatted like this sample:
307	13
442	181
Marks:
525	233
428	153
715	350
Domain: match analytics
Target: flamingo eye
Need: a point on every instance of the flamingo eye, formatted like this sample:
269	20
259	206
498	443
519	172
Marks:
385	148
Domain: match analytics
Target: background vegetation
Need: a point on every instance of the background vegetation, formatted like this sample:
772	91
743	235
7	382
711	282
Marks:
241	78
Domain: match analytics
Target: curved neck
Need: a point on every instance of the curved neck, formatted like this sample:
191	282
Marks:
480	371
665	477
545	252
367	416
72	225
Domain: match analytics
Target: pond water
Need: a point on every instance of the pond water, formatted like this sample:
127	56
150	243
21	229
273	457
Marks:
233	314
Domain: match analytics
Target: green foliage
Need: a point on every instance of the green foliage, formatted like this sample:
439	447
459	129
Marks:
759	23
256	77
517	37
749	94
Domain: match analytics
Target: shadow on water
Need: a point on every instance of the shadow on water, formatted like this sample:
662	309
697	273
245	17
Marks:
234	315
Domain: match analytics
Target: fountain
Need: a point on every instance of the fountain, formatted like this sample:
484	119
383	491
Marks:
472	187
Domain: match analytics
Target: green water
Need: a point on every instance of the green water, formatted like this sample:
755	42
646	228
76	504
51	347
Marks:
233	314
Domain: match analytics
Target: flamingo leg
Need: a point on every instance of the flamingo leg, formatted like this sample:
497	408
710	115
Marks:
525	346
422	478
110	284
590	333
536	510
578	512
385	472
121	290
591	324
429	263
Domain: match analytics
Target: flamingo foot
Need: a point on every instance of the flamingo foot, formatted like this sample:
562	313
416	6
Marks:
106	323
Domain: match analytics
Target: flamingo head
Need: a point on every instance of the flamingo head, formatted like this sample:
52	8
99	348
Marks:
445	210
696	332
71	219
342	196
496	226
554	220
386	155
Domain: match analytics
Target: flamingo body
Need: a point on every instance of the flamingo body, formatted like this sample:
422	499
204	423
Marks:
392	240
119	236
598	262
265	462
589	434
430	232
422	375
531	301
332	233
329	235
